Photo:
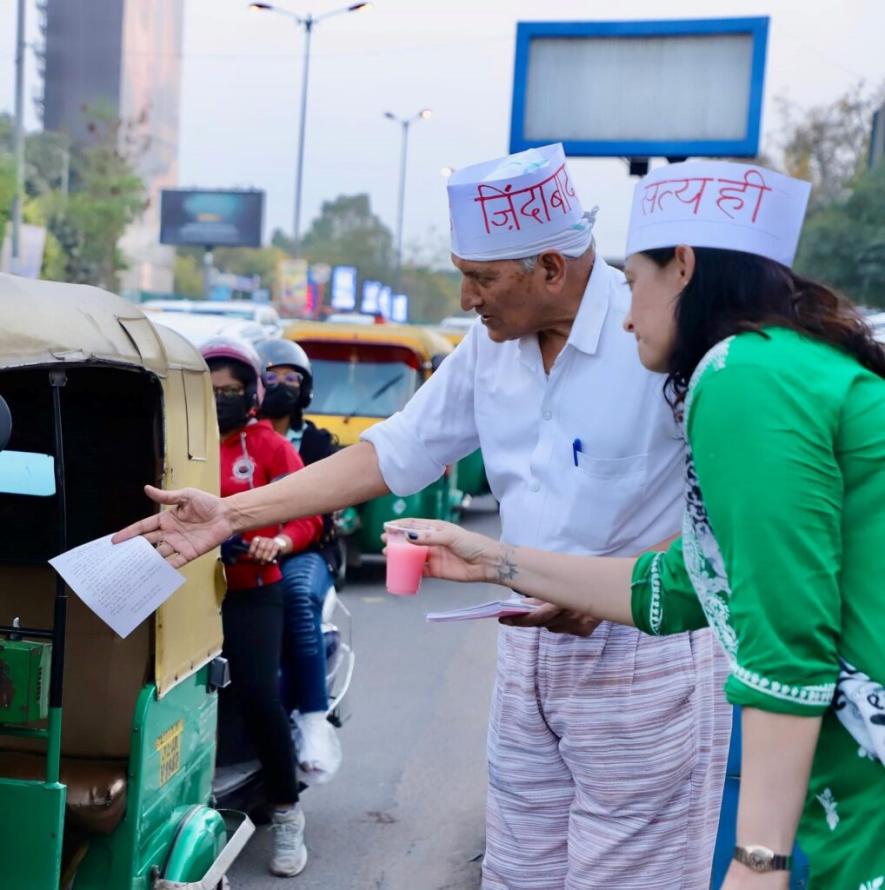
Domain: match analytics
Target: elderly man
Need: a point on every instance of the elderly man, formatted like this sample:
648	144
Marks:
606	747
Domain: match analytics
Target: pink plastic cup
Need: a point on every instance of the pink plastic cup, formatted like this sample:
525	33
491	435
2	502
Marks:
405	563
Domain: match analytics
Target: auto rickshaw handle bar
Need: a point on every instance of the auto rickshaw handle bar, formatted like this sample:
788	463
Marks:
25	733
57	379
7	630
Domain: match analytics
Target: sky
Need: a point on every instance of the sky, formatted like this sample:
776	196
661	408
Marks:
241	86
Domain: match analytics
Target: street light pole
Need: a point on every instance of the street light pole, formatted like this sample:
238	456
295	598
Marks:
18	199
405	123
307	22
401	208
296	230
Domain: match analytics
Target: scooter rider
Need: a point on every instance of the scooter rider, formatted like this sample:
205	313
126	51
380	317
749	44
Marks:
252	455
307	574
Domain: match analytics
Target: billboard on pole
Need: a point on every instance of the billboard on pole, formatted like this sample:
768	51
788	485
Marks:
369	304
672	88
344	288
400	308
384	301
211	218
290	287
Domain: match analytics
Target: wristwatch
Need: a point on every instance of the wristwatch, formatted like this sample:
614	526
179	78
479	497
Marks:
761	859
281	542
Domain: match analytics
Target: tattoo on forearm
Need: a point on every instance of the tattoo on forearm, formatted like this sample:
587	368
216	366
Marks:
506	566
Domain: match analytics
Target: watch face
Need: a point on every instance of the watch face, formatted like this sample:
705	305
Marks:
760	860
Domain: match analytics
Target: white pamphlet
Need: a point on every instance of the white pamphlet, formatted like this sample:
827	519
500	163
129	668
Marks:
494	609
122	583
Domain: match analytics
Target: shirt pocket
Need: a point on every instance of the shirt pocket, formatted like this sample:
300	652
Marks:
605	501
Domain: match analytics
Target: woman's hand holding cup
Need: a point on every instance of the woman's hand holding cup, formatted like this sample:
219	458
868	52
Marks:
452	553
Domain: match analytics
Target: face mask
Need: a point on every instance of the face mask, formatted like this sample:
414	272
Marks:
232	412
280	400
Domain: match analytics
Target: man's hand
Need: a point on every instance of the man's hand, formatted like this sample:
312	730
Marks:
195	523
556	620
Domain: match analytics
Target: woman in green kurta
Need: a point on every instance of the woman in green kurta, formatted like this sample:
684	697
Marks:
787	444
780	386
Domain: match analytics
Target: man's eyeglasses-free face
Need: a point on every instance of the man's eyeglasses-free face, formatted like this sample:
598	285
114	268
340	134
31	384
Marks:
291	378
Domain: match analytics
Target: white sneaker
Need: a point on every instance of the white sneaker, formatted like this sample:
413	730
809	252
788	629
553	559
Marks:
289	852
319	754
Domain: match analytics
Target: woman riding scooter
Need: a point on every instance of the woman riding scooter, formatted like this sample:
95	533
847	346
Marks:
308	572
252	454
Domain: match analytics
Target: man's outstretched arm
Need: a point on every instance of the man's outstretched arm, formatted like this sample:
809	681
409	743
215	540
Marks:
350	476
196	521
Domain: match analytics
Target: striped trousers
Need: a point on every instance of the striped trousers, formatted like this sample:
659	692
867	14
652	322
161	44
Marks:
606	760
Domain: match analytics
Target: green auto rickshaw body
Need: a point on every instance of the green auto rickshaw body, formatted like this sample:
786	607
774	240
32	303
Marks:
362	375
108	786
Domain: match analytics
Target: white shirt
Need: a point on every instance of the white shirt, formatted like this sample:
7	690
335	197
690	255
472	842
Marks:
622	492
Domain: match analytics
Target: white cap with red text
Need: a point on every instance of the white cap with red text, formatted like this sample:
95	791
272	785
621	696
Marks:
517	206
719	204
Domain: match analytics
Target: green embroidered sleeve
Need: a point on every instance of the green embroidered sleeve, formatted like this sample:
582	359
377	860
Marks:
663	600
763	444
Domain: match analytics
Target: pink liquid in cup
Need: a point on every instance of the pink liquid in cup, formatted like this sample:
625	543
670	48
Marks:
405	564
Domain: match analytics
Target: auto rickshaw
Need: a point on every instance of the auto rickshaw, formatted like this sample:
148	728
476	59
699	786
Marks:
107	745
363	374
471	471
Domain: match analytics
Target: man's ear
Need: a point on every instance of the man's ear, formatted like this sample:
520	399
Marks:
553	265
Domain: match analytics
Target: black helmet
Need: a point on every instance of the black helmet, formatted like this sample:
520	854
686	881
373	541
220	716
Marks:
287	352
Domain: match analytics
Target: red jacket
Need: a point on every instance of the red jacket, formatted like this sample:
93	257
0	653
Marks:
251	458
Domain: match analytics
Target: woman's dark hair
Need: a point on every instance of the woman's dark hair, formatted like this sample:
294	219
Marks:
731	292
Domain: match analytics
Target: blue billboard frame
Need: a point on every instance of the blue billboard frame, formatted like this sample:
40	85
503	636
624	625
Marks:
756	27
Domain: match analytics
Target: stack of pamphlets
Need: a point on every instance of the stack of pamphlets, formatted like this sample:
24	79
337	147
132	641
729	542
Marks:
494	609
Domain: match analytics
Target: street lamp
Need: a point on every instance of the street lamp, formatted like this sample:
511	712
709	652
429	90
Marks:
405	122
307	22
446	172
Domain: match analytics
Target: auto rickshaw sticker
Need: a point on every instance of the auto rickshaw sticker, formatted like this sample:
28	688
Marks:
168	746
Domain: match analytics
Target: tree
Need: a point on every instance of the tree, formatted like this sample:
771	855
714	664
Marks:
843	243
347	233
433	294
7	191
261	261
106	196
828	144
188	276
85	195
843	239
47	156
249	261
47	163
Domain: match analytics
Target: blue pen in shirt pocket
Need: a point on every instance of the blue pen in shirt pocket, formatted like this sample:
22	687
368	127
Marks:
576	450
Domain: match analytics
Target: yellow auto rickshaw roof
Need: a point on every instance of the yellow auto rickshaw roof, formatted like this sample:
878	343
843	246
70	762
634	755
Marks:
44	322
421	340
453	335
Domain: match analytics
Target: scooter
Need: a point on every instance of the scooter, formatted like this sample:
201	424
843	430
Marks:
238	775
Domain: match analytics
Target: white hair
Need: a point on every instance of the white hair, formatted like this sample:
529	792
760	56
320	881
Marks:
530	262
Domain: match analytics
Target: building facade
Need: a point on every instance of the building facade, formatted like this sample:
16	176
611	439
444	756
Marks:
124	56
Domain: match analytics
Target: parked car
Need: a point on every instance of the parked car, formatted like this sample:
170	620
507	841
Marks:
242	310
197	328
